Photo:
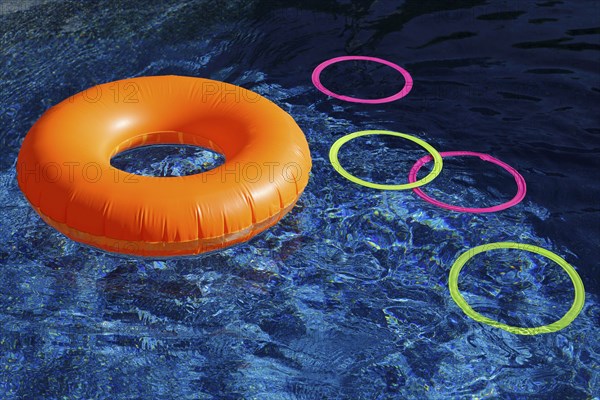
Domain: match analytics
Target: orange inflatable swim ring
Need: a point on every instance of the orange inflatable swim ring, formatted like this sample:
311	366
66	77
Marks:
64	167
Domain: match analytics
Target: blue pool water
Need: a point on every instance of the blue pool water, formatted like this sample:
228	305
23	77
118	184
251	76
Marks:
347	297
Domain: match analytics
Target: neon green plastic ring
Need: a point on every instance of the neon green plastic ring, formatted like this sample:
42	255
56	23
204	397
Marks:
437	160
573	312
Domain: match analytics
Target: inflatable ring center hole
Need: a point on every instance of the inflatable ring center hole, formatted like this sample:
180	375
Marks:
516	287
167	160
381	159
362	79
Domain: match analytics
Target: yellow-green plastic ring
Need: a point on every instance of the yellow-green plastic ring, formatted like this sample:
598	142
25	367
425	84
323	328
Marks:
437	160
553	327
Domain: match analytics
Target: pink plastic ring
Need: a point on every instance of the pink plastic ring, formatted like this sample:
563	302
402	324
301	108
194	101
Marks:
316	79
522	187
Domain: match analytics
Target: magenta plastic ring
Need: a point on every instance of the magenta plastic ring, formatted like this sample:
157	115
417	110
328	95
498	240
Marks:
521	186
316	79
